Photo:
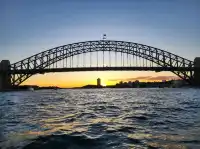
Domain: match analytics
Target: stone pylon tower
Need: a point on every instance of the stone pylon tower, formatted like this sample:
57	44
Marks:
5	77
197	73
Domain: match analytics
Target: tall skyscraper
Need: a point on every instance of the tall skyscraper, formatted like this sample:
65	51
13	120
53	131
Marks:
98	82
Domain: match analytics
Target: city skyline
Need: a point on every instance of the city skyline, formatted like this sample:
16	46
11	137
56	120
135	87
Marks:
30	27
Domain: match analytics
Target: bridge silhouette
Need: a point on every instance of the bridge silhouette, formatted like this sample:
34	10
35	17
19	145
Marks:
92	56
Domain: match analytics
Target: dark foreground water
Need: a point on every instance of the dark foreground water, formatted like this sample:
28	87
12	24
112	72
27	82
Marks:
100	119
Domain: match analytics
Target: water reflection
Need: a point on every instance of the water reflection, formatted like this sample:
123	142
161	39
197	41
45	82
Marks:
106	118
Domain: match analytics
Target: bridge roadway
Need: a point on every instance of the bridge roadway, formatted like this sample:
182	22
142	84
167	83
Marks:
48	70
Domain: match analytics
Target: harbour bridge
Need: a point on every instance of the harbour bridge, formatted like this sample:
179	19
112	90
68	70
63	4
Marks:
100	55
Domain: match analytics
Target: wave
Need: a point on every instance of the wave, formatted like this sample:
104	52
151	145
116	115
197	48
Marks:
64	142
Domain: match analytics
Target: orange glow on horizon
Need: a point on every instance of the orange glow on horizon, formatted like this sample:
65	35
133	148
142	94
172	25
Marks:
78	79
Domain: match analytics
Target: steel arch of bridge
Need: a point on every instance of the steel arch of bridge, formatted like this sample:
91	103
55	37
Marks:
46	58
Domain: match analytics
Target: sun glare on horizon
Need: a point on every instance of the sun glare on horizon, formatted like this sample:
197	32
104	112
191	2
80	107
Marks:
103	84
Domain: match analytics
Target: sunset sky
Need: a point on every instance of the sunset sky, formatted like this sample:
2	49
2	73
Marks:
31	26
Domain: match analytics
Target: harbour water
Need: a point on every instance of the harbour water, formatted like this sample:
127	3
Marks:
100	119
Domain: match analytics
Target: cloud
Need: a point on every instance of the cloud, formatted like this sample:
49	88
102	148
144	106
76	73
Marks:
159	78
131	79
148	78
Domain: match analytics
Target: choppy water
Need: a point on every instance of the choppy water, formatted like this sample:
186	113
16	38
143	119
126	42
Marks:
100	118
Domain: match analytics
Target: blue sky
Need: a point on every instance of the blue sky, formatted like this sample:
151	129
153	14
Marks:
30	26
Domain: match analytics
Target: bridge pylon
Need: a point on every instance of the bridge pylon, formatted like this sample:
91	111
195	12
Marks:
5	77
197	73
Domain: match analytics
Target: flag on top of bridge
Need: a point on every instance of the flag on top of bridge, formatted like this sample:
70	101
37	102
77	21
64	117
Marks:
104	36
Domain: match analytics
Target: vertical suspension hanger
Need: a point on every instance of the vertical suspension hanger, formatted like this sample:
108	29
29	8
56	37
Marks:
146	62
109	58
136	59
78	60
139	61
83	59
63	59
66	57
97	59
56	60
90	58
143	61
133	56
127	58
115	59
103	54
139	58
104	37
121	59
72	60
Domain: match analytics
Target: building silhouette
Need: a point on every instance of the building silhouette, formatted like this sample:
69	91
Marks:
98	82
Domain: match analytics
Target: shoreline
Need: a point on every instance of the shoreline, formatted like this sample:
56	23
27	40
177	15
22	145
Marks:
16	90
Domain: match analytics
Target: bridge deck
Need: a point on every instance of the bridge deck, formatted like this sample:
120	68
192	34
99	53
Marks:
48	70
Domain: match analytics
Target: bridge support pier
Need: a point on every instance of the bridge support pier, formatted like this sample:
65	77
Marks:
5	78
197	73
